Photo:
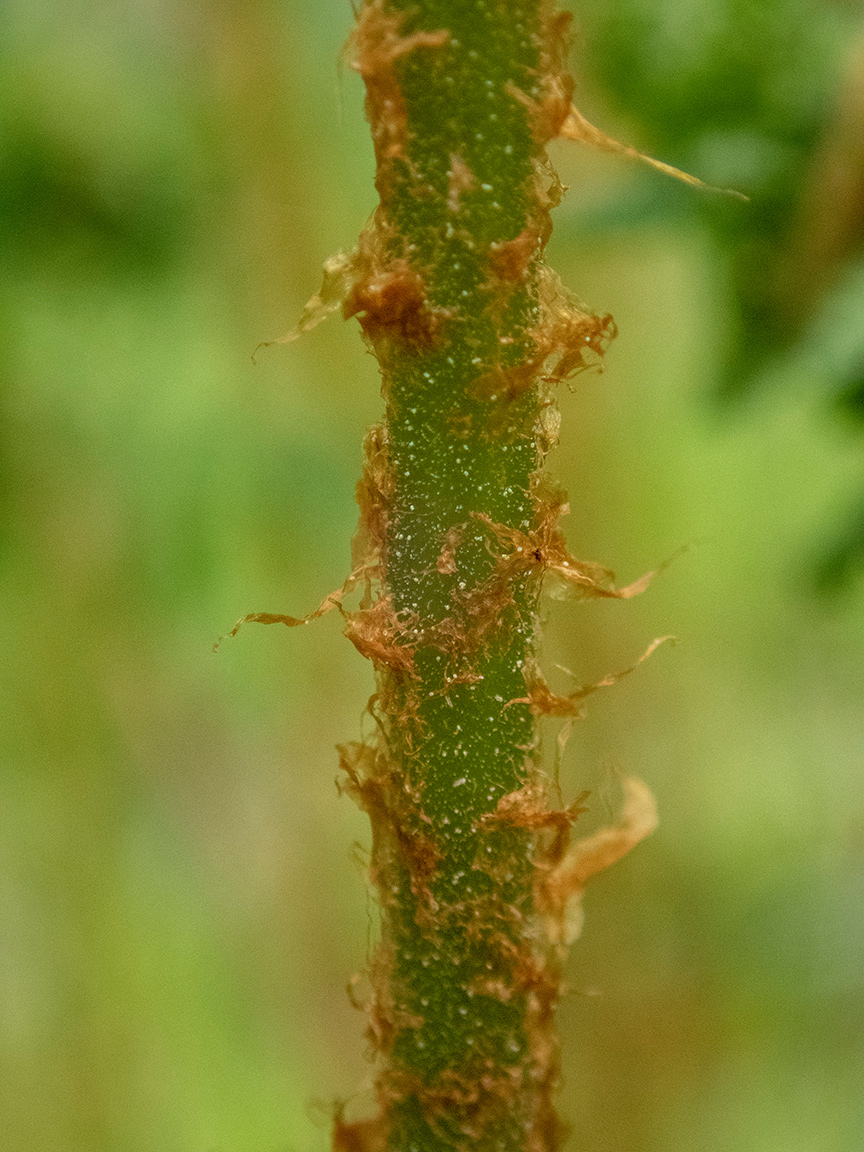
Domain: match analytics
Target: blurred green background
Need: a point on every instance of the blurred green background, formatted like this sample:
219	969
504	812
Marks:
180	904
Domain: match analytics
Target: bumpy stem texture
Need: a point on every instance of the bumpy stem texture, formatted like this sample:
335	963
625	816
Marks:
457	531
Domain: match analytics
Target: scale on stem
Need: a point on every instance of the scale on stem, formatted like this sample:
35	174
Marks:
477	878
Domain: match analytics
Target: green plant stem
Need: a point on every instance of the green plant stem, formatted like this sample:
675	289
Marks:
476	876
461	96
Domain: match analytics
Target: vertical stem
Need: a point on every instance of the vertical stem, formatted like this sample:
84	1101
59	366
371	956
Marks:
462	96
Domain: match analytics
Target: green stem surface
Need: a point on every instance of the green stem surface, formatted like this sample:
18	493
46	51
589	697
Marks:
449	299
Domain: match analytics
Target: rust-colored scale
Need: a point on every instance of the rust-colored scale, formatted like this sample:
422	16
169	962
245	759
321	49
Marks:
474	872
478	882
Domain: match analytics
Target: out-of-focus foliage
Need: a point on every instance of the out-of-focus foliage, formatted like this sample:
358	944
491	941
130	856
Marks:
765	97
742	94
178	907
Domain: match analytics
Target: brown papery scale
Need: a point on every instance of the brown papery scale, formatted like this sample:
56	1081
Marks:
478	880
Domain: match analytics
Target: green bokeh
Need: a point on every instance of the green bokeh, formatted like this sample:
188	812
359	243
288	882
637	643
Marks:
179	909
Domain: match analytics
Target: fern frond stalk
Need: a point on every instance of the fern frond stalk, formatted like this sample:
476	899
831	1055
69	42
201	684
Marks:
458	530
